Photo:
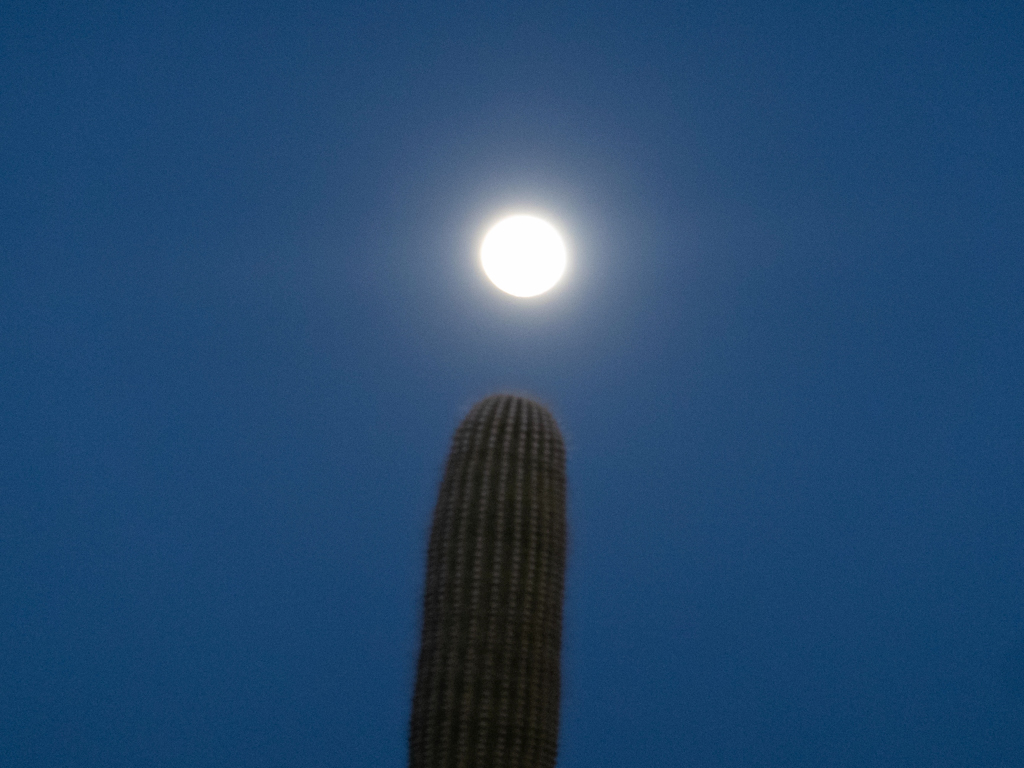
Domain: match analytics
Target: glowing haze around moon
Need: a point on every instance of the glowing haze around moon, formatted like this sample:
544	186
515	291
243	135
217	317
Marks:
523	255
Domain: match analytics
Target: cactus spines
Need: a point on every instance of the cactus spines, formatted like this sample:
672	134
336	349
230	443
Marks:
487	683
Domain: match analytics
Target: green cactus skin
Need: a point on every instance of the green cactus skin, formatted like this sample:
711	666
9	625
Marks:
488	678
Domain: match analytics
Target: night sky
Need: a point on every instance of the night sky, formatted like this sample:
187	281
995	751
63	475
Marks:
241	314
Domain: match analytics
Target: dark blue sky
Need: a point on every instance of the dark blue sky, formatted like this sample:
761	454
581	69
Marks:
240	316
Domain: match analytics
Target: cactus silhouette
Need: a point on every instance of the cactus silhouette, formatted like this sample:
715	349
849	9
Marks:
487	683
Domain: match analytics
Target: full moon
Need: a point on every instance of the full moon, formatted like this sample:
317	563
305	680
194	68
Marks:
523	255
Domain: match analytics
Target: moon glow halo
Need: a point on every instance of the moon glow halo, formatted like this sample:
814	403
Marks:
523	255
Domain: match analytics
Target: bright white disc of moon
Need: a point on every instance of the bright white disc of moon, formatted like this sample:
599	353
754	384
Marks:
523	255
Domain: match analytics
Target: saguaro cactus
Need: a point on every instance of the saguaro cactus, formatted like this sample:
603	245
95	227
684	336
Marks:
487	683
